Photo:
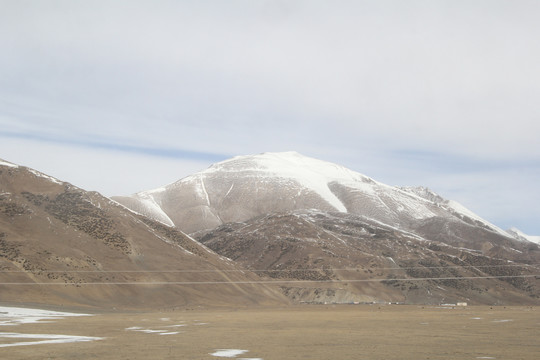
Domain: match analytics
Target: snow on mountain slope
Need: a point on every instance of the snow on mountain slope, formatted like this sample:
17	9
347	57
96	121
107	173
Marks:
452	206
146	204
307	172
8	164
520	235
244	187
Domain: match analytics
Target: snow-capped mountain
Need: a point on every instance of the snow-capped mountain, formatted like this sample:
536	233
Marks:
324	233
248	186
297	218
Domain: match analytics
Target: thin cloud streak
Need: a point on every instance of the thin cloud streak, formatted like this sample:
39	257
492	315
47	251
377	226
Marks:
116	146
452	163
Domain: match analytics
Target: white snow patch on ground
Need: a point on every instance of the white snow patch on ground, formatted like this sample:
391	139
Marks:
49	339
13	316
16	316
160	330
150	331
502	321
228	353
133	328
170	333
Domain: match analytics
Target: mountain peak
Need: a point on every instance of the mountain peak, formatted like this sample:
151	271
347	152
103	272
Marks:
291	153
283	168
248	186
288	164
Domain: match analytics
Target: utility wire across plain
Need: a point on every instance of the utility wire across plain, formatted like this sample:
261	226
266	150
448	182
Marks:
249	282
268	270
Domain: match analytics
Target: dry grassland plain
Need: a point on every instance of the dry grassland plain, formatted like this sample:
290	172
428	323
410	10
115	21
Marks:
298	332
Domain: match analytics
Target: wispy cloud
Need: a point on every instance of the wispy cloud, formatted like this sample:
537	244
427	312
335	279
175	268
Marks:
164	152
448	163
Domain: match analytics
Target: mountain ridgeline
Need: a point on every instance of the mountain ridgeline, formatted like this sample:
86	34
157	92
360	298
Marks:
328	234
273	228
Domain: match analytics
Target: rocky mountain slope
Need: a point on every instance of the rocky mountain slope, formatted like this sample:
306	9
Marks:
338	257
62	245
332	234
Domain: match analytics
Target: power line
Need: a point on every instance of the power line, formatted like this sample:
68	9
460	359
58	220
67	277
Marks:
265	281
268	270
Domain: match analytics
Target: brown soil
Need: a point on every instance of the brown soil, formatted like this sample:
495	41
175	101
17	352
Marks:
302	332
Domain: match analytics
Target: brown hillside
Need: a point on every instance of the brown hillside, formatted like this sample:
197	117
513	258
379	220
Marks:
62	245
342	258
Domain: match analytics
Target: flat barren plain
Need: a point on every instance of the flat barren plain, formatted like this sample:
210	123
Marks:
298	332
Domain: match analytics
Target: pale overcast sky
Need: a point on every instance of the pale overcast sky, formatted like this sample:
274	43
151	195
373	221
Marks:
124	96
